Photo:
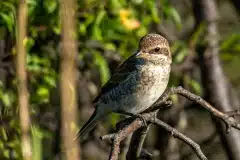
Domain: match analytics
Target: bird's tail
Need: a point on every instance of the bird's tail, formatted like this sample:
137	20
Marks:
89	125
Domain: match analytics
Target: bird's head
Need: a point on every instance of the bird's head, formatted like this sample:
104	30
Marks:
155	47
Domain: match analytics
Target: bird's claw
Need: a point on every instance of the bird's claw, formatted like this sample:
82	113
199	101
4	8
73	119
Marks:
142	118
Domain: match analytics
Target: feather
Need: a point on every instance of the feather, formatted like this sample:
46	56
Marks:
122	74
89	125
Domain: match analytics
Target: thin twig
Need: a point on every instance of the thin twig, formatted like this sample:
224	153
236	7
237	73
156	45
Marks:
228	120
180	136
233	113
122	134
136	144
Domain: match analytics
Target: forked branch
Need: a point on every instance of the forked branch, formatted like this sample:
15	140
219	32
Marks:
131	124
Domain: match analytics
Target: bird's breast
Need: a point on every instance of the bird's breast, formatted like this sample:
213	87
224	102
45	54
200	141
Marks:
149	84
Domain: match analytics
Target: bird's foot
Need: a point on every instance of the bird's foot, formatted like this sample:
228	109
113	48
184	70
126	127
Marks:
135	115
142	118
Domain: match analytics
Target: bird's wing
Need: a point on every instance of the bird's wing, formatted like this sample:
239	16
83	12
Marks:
122	74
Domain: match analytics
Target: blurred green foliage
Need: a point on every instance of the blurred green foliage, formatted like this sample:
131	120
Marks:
114	25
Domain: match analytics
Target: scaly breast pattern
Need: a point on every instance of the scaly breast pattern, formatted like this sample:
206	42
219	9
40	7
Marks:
143	89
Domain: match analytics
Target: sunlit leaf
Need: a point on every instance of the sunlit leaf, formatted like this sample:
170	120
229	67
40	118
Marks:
12	144
172	12
196	36
37	142
115	4
43	93
6	100
29	43
1	145
6	153
196	87
226	56
97	33
50	5
102	66
4	134
181	55
114	118
50	80
154	11
230	41
8	20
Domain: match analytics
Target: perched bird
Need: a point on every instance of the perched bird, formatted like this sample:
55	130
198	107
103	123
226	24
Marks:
137	83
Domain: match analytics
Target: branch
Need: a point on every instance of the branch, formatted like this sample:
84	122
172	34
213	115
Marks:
233	113
138	123
228	120
180	136
136	144
68	72
132	124
24	115
135	150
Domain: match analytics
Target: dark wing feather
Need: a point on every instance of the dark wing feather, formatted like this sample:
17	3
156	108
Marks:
122	73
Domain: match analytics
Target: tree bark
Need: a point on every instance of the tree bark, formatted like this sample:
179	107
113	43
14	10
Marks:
68	77
22	83
214	80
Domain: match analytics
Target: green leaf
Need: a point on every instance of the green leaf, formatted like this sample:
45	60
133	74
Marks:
237	47
1	145
6	99
110	46
50	5
196	87
114	118
230	41
57	28
196	37
181	55
174	98
30	43
37	143
32	4
4	134
115	5
226	56
50	80
175	16
82	28
153	10
12	144
97	32
6	153
43	91
102	66
8	20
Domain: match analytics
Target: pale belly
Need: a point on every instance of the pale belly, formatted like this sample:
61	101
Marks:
146	95
139	102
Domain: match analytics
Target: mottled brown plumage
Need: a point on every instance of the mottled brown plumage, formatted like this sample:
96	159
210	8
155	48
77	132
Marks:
149	41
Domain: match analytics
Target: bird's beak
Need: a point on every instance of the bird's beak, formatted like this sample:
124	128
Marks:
139	52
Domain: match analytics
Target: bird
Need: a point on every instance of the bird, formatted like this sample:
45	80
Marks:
136	84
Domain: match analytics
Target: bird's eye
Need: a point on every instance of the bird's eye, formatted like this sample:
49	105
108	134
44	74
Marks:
156	49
